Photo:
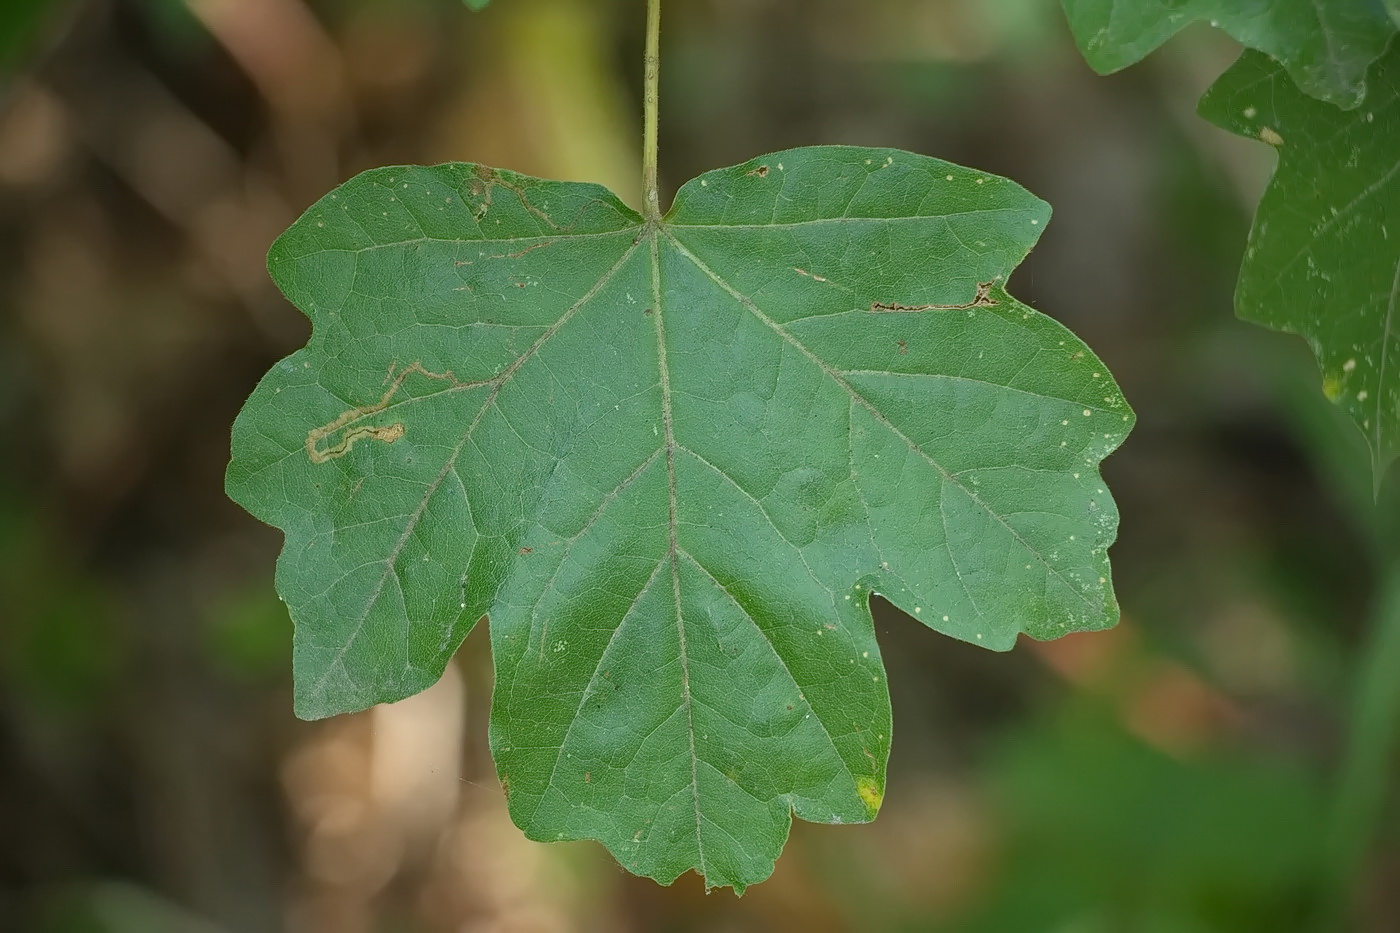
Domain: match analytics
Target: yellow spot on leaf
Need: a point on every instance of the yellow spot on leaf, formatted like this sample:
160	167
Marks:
1332	387
870	792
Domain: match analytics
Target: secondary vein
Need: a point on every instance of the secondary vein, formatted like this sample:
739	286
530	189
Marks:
865	403
391	560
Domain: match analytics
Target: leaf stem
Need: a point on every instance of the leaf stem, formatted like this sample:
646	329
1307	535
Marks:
651	200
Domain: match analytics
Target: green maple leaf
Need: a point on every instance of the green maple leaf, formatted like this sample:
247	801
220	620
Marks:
1325	46
1322	260
672	461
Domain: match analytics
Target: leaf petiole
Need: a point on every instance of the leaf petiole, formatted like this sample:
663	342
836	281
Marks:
651	81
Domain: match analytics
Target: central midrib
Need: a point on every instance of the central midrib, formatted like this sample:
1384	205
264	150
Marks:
673	550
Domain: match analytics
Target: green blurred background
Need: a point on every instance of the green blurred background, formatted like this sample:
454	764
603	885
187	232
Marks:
1220	762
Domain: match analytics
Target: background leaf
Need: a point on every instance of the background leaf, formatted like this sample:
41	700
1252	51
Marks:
672	462
1322	261
1326	47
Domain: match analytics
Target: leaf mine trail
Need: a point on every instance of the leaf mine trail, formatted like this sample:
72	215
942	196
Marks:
386	433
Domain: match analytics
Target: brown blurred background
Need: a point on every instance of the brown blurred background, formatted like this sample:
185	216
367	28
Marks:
1204	767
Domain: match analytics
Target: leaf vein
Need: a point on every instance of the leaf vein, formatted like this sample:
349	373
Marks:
593	679
982	382
844	220
782	661
392	558
1096	605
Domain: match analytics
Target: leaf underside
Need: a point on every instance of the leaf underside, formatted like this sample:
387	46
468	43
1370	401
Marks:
1322	260
1325	46
672	462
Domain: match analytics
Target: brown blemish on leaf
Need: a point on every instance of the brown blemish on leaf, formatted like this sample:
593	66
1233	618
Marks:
528	249
903	346
761	172
981	299
544	638
488	178
481	191
388	434
527	550
1270	136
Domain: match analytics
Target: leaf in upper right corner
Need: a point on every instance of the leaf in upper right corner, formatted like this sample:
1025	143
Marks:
1322	260
1325	46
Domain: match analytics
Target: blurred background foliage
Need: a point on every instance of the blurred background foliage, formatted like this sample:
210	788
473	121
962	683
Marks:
1220	762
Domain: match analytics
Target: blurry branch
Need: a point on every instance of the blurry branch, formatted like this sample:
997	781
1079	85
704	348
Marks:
300	72
1365	781
185	171
288	56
